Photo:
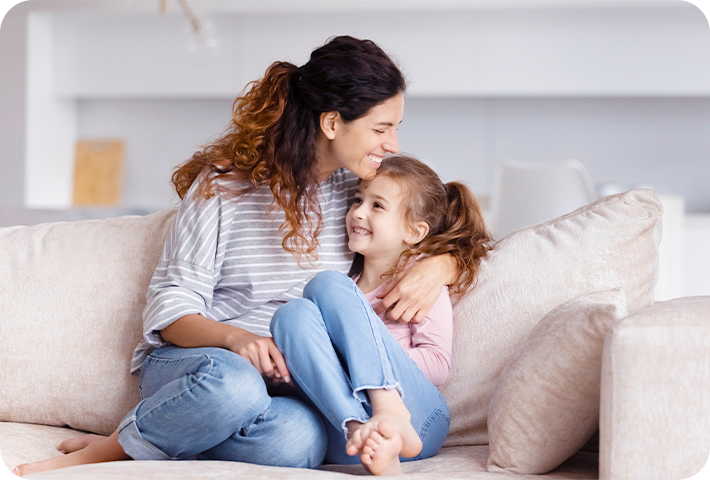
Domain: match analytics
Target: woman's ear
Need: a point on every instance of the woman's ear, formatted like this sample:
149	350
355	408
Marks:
328	122
418	233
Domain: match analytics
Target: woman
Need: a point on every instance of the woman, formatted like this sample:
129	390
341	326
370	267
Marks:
263	210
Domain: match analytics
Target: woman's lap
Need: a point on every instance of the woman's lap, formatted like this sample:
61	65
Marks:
212	403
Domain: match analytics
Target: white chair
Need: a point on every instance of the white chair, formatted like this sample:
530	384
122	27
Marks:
528	193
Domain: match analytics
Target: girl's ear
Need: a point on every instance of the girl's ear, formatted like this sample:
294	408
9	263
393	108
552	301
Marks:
328	122
418	233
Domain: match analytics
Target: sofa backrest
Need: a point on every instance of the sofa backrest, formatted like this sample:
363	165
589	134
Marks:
71	302
72	296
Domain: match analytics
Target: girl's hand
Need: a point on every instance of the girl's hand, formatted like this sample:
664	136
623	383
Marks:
263	353
410	294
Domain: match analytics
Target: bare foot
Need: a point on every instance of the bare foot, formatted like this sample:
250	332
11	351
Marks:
74	444
103	449
381	441
387	406
380	455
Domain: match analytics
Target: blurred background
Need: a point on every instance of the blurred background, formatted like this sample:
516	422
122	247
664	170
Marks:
101	99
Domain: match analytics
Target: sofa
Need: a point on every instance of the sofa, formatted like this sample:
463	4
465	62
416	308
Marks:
563	365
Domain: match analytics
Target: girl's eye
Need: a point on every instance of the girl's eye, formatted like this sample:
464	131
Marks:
357	200
378	205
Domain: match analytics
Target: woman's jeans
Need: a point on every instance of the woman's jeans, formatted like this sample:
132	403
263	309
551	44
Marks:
210	403
336	347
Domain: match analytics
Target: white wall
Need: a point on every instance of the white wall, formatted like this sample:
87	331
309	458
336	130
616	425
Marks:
12	109
624	90
661	143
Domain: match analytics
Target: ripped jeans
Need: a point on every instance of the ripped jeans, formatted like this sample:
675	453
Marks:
336	347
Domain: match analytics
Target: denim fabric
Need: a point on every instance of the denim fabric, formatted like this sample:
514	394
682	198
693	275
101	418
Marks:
210	403
336	348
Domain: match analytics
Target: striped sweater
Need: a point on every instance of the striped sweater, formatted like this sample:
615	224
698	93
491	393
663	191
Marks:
223	259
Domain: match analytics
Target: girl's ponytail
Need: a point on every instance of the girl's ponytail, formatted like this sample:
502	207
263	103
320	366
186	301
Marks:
463	234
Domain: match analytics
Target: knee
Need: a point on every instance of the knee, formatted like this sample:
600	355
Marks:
294	318
303	439
322	285
235	385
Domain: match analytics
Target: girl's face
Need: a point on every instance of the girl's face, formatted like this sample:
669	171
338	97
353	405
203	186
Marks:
361	145
375	225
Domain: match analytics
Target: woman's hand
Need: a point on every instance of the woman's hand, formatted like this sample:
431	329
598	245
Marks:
263	353
410	294
193	331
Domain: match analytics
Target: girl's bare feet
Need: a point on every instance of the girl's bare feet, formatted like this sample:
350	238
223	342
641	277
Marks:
74	444
102	449
380	455
388	434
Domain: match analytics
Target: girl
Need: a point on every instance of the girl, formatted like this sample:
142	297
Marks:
262	211
374	382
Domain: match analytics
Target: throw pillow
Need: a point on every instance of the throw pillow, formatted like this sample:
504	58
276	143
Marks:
71	303
610	243
546	404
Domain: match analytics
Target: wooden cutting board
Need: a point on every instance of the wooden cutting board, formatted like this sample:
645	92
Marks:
98	172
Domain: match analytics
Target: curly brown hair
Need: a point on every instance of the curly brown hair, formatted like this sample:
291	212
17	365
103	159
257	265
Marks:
275	123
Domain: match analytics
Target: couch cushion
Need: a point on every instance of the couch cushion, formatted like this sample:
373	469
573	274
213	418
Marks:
71	301
610	243
20	443
546	404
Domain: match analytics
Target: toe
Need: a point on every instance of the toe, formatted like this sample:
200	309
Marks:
387	430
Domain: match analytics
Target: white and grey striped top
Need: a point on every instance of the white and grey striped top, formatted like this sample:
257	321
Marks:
223	259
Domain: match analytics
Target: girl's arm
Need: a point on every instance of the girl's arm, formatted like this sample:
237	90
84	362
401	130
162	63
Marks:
193	331
432	340
412	292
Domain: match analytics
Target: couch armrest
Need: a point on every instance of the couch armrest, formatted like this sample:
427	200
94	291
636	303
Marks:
655	394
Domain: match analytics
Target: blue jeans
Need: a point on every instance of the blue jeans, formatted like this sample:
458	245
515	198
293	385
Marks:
336	348
210	403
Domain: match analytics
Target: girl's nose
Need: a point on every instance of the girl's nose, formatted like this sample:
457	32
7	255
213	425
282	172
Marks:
357	211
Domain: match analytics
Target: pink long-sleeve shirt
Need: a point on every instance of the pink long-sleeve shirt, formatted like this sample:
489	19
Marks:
428	342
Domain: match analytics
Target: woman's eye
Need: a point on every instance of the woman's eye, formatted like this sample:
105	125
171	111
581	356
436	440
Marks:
380	131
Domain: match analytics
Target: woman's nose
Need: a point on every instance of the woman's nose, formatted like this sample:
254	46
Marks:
391	145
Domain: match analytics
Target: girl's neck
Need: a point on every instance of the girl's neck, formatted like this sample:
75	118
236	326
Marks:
372	272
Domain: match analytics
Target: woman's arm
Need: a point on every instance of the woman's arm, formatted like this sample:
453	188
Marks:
410	294
193	331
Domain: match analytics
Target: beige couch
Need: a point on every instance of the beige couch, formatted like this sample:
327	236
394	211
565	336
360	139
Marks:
560	339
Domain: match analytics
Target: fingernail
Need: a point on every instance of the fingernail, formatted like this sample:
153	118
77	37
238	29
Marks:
278	375
63	451
287	379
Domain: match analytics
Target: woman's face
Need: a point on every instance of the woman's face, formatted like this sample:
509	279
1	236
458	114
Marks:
361	145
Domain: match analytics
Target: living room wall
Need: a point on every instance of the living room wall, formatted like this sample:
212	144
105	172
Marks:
624	88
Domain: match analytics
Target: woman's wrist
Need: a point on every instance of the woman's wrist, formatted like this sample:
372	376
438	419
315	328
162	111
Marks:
449	267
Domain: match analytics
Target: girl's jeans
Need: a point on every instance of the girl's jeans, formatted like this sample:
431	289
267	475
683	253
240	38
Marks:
210	403
336	347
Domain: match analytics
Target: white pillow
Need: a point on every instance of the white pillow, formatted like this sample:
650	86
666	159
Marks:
71	303
546	404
